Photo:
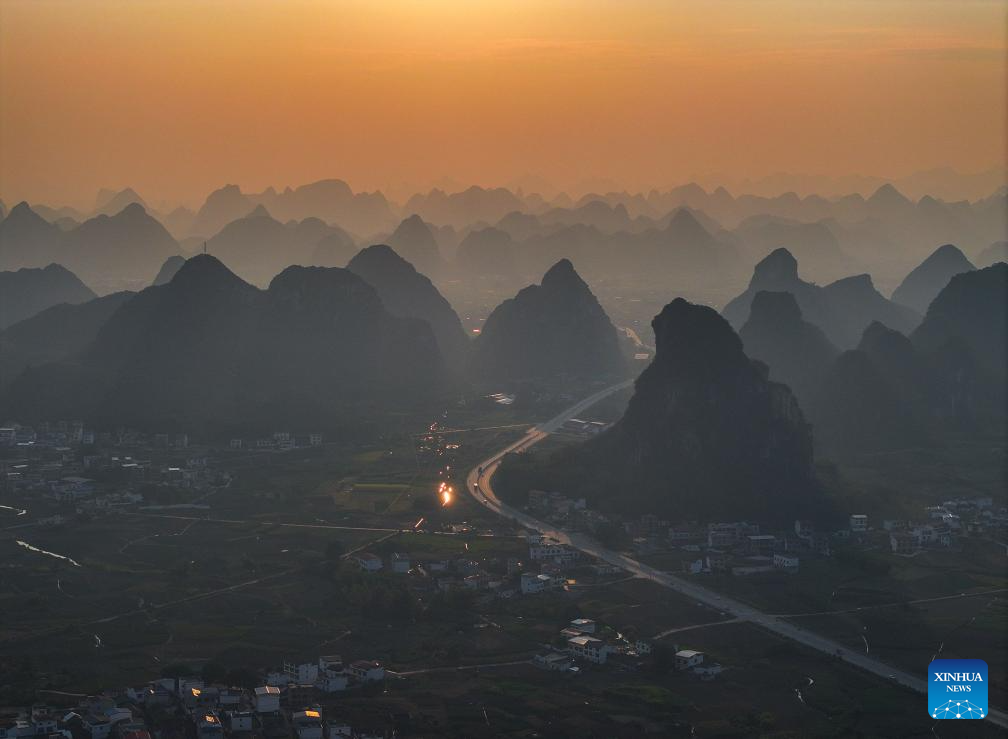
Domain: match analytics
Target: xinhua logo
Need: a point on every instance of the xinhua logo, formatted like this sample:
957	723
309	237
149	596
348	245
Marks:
957	688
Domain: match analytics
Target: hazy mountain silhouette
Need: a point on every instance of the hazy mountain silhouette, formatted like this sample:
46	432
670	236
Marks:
109	202
257	246
179	222
407	293
972	309
842	309
996	252
520	226
463	208
887	201
209	350
921	286
171	265
220	208
813	244
797	352
705	435
332	201
414	242
857	409
854	303
112	250
56	333
334	250
28	240
909	374
548	331
597	213
487	251
25	292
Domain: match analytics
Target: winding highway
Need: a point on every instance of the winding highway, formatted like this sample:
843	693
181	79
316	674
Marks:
479	485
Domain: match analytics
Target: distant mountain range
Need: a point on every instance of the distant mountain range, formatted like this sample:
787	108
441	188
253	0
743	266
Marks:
258	247
104	251
57	333
407	293
928	279
706	435
796	351
842	309
686	232
208	350
27	291
892	391
549	331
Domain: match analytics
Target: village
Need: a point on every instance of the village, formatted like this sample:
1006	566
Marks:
411	556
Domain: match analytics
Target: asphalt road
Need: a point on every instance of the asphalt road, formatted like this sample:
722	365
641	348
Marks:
478	484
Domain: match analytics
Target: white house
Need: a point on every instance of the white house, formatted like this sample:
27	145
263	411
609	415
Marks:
902	543
302	674
239	720
330	662
583	625
367	671
588	648
307	724
99	727
267	699
803	529
332	682
400	563
368	562
277	679
785	562
208	726
707	672
532	582
553	661
331	677
859	523
687	658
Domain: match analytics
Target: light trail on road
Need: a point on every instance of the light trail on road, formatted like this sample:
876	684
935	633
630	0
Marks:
479	485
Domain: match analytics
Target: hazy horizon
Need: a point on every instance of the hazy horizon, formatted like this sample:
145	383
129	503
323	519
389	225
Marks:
176	98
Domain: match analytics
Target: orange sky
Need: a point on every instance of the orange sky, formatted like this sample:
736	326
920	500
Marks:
178	97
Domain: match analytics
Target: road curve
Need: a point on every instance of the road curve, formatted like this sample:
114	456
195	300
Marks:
478	484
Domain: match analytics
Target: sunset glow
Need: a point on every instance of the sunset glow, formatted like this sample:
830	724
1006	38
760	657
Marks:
177	97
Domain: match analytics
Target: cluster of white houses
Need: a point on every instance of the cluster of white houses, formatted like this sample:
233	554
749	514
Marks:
278	440
586	642
287	704
543	570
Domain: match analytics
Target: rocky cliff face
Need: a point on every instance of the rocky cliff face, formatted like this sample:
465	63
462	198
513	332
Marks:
973	307
552	330
965	337
705	435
